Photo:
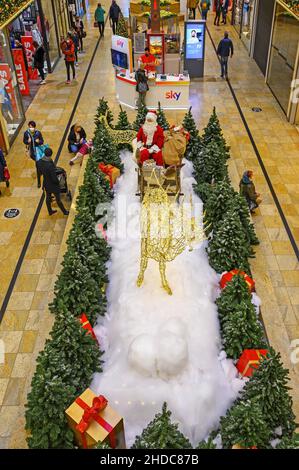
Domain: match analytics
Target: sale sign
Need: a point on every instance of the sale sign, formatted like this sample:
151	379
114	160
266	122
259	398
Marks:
21	71
27	42
6	77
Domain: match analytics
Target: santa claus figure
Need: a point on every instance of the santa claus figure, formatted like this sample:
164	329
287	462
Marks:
150	140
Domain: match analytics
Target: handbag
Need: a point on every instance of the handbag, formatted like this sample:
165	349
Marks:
6	174
95	24
40	151
84	34
142	87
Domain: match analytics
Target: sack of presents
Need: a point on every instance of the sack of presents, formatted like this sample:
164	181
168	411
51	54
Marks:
94	421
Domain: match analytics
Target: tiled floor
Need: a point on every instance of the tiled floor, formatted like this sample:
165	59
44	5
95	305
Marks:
27	322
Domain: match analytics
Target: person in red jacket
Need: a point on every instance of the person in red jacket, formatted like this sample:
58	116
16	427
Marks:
68	49
150	140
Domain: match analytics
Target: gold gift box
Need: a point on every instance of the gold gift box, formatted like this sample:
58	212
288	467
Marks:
96	433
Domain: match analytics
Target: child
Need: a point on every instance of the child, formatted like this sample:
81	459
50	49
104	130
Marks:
84	150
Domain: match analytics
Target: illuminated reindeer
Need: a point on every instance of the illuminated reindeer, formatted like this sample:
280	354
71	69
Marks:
165	232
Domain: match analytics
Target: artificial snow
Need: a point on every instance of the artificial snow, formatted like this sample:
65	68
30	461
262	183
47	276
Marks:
159	347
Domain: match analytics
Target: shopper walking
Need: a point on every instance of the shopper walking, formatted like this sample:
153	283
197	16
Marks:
218	10
247	189
224	9
99	18
68	49
76	41
192	5
33	139
225	48
114	12
80	30
50	182
205	5
141	84
3	170
38	60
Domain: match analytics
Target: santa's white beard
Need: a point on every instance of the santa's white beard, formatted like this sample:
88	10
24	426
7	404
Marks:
149	129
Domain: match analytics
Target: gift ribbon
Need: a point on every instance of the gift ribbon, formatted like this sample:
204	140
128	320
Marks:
92	413
252	362
107	170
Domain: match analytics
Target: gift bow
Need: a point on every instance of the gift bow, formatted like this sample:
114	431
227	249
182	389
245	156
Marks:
107	170
92	413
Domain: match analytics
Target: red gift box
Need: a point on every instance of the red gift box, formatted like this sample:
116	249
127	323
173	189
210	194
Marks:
87	326
249	360
111	172
227	277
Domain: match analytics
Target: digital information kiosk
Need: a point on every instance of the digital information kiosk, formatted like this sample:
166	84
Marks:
194	47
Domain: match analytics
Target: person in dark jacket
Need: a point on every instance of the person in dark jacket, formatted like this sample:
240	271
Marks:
114	12
79	26
76	41
3	165
141	84
33	138
225	48
76	138
218	10
224	9
50	182
38	60
247	189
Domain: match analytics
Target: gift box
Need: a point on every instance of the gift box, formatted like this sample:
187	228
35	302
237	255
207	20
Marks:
93	420
228	276
111	172
250	360
87	326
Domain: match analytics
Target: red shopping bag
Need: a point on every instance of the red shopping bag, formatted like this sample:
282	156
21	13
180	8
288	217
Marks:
6	174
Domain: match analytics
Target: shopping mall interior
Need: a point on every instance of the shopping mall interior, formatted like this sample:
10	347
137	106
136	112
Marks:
222	348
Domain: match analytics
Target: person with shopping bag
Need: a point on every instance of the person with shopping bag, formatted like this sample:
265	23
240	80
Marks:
4	173
33	140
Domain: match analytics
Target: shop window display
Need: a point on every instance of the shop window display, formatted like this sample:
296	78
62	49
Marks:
238	10
12	114
51	34
247	21
283	55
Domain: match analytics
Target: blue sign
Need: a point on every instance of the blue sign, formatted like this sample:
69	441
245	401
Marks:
194	40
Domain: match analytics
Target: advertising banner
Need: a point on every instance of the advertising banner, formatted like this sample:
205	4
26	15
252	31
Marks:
6	79
194	40
123	45
21	71
27	42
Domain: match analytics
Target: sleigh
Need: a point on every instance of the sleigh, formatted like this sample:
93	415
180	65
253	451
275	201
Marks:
169	176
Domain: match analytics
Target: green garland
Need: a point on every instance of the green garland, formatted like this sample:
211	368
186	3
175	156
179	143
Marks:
9	7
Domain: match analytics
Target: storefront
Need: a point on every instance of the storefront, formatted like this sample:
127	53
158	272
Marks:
244	13
283	60
264	14
40	21
12	113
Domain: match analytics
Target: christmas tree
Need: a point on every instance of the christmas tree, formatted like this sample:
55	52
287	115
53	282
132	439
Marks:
269	384
140	117
210	165
244	425
235	292
239	204
161	118
103	109
218	203
289	442
241	330
64	369
161	433
229	248
104	148
121	27
123	121
213	133
203	190
194	144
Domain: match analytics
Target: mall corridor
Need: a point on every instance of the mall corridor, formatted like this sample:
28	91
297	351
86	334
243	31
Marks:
32	245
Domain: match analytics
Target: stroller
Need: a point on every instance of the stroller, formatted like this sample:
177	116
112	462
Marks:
62	177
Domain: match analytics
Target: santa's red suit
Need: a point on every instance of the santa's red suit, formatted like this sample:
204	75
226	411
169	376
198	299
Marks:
150	140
